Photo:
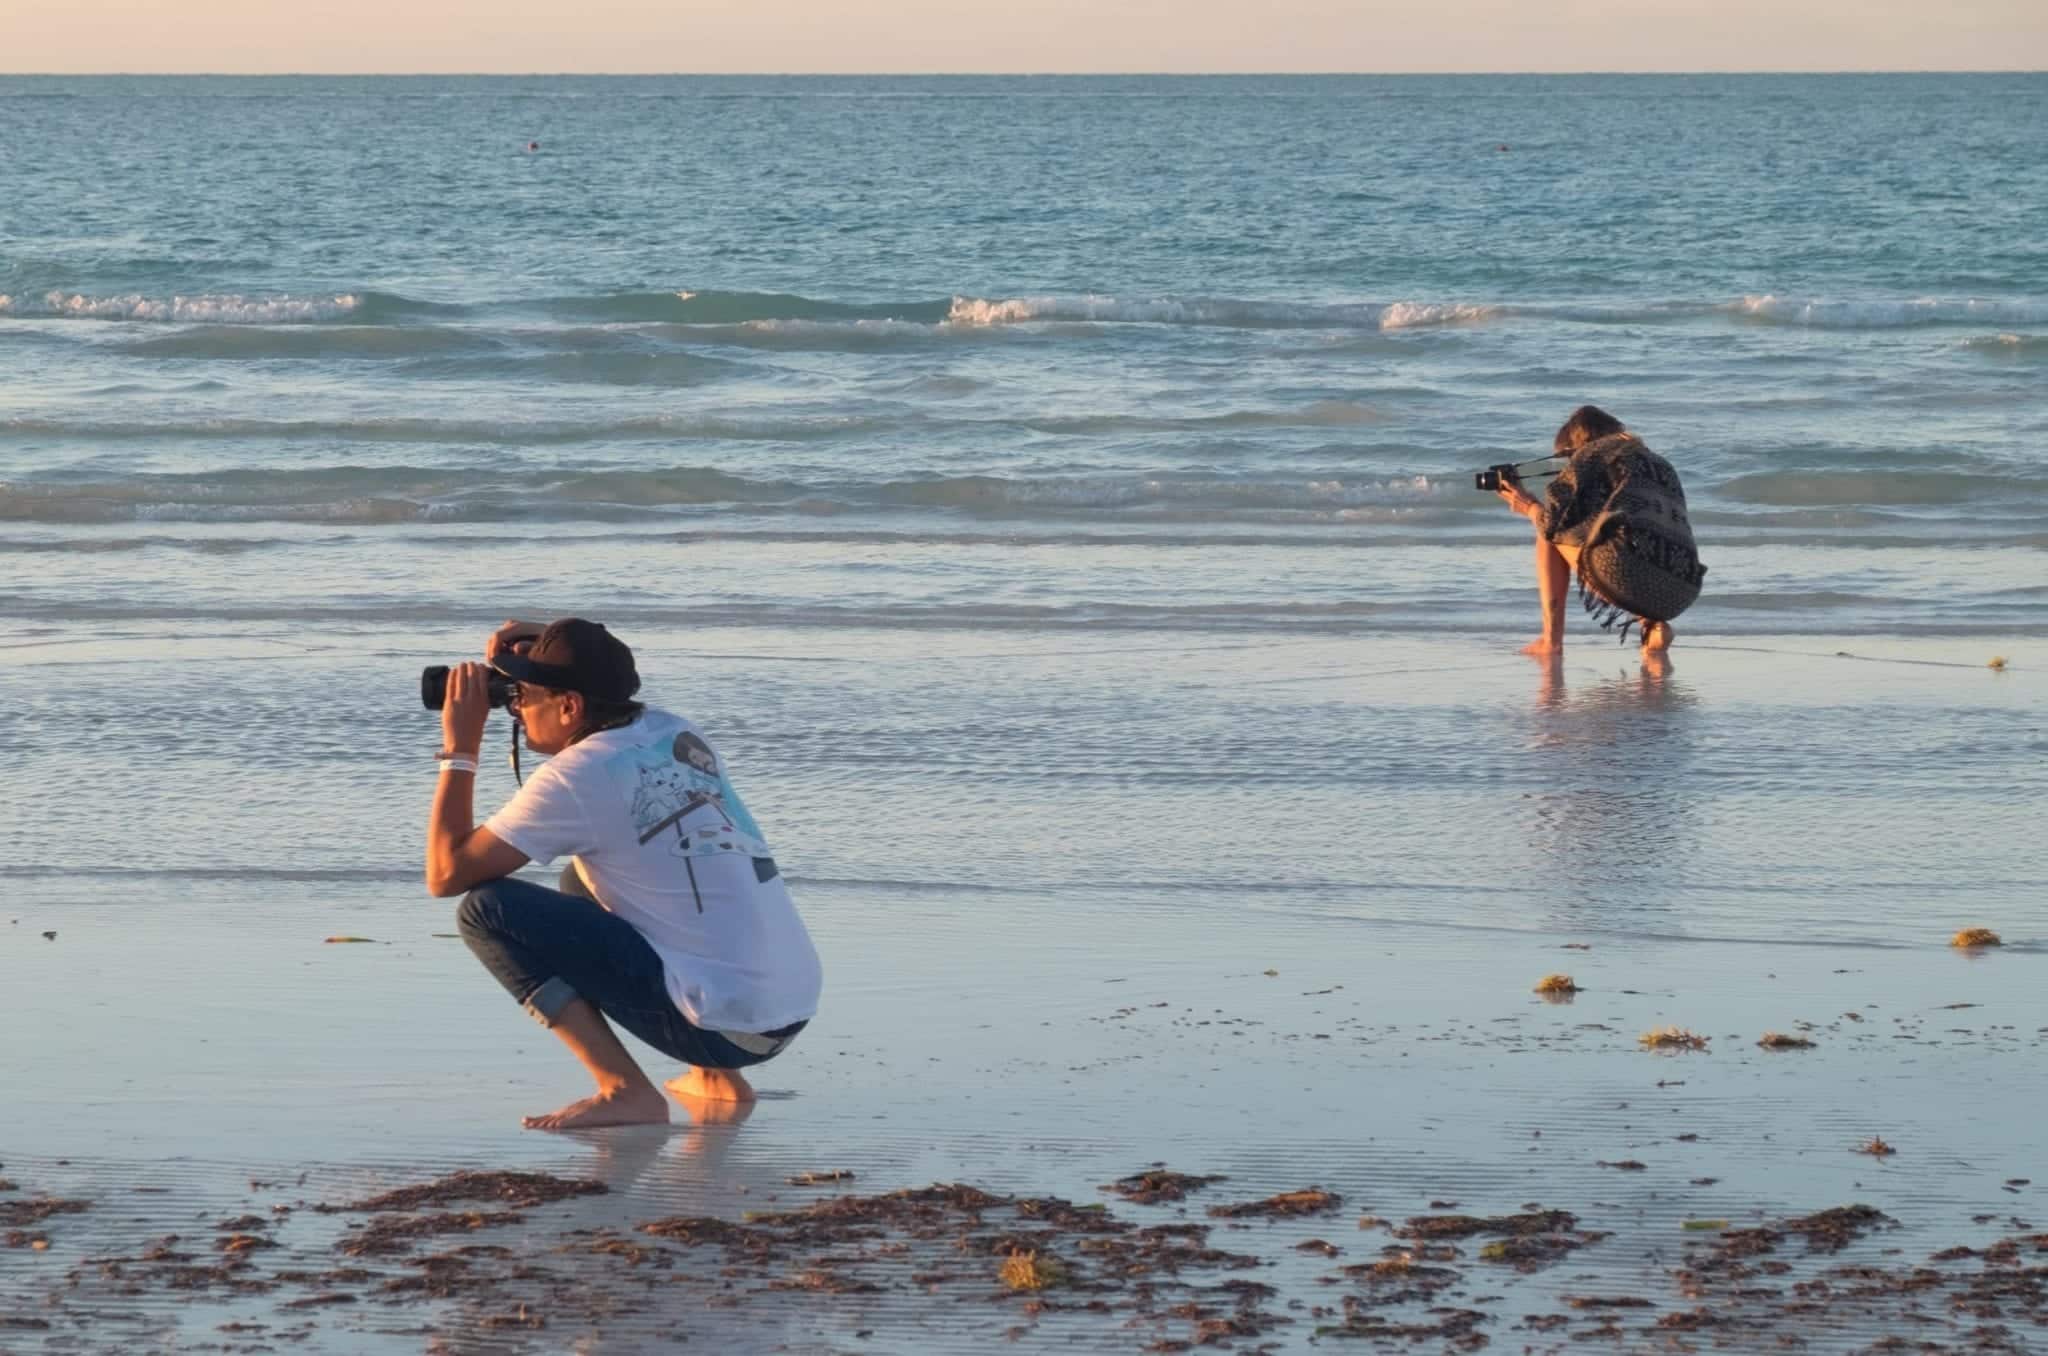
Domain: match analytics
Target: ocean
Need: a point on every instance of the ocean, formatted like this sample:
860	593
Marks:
1054	497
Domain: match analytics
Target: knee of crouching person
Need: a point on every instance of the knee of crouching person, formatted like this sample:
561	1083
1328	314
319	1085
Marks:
478	911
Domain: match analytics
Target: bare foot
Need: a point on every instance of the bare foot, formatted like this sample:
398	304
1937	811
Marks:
637	1104
710	1085
1657	636
1544	646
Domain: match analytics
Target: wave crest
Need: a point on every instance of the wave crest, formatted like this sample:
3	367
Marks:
226	308
978	312
1820	313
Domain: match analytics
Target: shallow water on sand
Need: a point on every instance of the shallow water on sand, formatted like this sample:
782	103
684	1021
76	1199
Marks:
1416	829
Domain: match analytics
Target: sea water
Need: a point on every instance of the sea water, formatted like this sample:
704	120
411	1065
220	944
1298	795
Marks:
856	401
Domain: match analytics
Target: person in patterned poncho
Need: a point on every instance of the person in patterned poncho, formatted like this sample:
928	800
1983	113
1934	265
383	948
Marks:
1616	515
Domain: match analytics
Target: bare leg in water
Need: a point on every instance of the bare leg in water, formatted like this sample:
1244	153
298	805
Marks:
1553	582
624	1095
1554	566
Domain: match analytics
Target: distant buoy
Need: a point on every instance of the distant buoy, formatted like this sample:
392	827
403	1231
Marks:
535	145
1503	146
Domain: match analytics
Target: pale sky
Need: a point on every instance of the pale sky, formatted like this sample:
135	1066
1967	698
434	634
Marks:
1042	36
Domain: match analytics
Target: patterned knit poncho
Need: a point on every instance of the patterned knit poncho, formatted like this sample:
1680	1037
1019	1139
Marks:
1621	505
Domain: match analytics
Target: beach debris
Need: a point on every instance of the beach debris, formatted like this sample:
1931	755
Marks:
1835	1229
1975	937
240	1243
518	1318
1030	1271
1437	1227
1778	1040
820	1178
1308	1201
1997	662
1672	1038
331	941
1557	988
1576	946
1604	1302
1626	1165
397	1233
1371	1222
516	1189
19	1214
1876	1148
1527	1242
50	936
1454	1329
1158	1185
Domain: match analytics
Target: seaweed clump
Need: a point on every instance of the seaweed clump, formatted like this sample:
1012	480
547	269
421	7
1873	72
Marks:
1157	1185
1672	1038
1308	1201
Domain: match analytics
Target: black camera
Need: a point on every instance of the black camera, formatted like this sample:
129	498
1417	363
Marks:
434	687
1492	477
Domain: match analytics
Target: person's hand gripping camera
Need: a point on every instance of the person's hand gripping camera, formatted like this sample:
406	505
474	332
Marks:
467	692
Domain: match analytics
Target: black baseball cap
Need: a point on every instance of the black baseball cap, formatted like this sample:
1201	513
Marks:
575	655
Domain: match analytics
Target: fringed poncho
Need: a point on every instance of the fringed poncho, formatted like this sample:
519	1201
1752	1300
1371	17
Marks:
1621	506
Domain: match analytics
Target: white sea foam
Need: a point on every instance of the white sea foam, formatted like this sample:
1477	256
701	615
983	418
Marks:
1824	314
221	309
1221	311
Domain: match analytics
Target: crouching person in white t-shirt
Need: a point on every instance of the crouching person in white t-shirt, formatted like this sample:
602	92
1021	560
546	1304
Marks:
677	925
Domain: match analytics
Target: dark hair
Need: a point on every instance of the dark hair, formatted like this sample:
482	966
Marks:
601	714
1588	423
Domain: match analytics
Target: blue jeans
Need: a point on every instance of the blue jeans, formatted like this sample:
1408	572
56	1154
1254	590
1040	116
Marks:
549	948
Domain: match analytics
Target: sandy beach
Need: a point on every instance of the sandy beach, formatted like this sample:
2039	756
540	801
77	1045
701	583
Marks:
206	1066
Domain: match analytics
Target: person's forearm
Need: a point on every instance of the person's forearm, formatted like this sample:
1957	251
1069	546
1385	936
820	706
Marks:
449	825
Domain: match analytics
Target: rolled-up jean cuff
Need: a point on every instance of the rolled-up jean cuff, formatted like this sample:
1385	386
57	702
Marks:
546	1002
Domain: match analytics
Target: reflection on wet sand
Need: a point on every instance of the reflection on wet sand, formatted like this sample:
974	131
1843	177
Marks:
1611	818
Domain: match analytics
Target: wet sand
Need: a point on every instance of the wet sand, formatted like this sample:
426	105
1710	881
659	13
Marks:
199	1064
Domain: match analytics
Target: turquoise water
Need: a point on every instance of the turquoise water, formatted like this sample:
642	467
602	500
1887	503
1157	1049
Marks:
1239	332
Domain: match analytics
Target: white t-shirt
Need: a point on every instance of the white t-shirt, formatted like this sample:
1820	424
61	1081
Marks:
664	842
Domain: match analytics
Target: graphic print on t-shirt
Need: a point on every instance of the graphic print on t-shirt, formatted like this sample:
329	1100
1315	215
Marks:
678	790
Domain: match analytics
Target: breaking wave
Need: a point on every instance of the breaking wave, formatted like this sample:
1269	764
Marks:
1861	315
1216	311
228	308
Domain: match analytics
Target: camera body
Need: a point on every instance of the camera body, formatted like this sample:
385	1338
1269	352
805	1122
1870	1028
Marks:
1493	477
498	688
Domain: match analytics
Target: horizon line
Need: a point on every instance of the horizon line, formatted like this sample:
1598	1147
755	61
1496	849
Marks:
1002	74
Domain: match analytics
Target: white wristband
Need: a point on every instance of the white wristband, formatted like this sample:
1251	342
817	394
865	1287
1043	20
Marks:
458	765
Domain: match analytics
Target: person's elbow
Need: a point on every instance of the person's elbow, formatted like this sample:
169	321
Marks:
483	857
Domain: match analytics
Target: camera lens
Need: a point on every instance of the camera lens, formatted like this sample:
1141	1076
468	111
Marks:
498	689
434	686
